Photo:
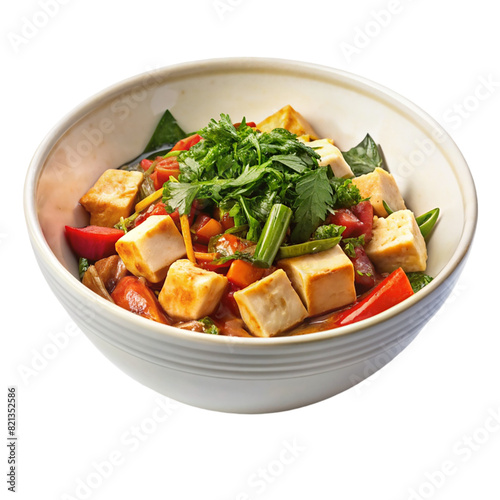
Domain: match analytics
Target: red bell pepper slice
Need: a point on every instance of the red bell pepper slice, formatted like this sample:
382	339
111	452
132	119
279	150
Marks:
391	291
93	242
135	296
187	143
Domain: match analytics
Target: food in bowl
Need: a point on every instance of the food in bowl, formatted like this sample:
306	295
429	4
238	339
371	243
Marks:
246	229
247	374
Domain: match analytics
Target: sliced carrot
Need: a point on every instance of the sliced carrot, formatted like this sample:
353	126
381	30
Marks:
243	273
206	229
206	256
186	234
149	200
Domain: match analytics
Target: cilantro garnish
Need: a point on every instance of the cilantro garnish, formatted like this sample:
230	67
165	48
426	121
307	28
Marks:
248	172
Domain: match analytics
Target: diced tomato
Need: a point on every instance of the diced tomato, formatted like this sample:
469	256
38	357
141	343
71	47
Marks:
155	209
205	227
164	169
160	209
228	303
206	261
249	124
93	242
187	143
199	247
243	273
224	218
227	221
228	243
391	291
364	212
344	217
145	164
135	296
365	275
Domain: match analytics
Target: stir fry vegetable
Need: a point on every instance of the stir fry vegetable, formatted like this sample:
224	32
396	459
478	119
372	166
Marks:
252	230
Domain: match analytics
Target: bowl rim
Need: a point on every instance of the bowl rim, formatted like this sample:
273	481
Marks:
148	328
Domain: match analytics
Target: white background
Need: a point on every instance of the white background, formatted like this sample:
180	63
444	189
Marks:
422	427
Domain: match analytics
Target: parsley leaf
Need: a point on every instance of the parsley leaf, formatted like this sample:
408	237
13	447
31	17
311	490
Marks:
349	244
418	280
209	326
346	194
328	231
314	196
179	195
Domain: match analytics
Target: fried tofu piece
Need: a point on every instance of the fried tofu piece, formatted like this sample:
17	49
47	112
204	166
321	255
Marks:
331	155
380	186
150	248
190	292
271	305
397	242
290	120
112	197
323	280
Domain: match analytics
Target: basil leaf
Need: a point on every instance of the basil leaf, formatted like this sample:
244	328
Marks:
363	158
167	131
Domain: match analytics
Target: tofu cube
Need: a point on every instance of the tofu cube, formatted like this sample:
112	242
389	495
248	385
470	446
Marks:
150	248
397	242
112	196
289	119
323	280
190	292
271	305
380	186
331	155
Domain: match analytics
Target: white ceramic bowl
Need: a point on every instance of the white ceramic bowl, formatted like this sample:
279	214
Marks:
244	374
